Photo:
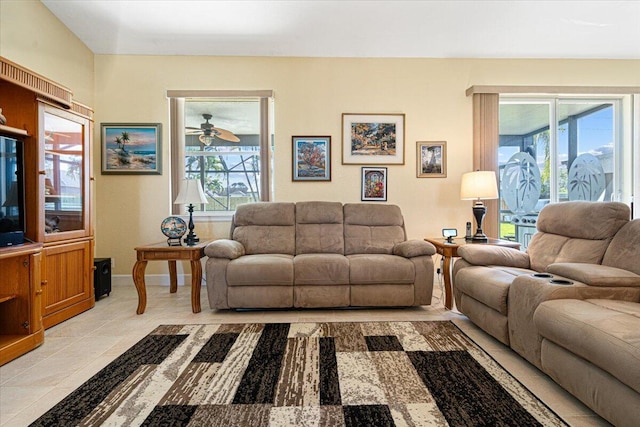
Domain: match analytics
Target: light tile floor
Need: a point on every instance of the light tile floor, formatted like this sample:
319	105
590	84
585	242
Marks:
75	350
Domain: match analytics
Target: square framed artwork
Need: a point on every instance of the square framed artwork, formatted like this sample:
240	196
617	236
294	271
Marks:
374	184
311	158
431	159
131	148
372	139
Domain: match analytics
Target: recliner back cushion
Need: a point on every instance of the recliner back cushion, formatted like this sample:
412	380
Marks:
575	232
372	229
624	250
266	227
319	228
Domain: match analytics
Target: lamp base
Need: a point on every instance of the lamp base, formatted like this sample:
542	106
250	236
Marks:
479	211
191	238
480	237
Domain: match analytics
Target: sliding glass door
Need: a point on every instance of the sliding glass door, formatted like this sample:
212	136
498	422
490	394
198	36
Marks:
554	150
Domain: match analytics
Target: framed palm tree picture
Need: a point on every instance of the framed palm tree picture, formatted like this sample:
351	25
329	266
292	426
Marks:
131	148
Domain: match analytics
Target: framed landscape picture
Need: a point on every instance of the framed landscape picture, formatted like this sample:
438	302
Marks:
432	159
131	148
372	139
311	158
374	184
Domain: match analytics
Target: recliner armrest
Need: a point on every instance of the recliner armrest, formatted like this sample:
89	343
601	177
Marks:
595	274
224	248
494	255
414	248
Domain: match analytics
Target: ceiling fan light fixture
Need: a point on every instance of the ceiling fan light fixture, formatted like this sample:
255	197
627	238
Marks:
206	139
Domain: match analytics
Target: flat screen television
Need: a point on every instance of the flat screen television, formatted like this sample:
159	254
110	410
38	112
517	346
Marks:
11	191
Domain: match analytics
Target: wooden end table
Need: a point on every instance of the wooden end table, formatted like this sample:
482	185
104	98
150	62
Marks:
450	250
164	252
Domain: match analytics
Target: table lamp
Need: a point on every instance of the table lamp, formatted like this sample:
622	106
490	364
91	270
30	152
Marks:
478	186
190	193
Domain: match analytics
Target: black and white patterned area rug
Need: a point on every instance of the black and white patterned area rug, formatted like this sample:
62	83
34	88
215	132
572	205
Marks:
303	374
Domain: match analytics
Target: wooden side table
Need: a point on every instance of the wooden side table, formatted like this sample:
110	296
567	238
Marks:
164	252
450	250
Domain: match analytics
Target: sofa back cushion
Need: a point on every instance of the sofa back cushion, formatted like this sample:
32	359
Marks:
575	232
319	228
265	227
624	250
372	229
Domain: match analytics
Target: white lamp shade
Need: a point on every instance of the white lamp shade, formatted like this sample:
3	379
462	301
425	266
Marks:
479	185
190	193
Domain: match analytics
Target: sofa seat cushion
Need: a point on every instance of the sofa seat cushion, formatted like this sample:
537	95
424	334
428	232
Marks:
605	333
321	269
374	269
488	285
262	269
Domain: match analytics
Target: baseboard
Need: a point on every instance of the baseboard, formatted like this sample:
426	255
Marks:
151	279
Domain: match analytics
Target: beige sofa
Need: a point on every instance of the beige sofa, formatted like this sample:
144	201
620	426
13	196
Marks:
318	254
570	304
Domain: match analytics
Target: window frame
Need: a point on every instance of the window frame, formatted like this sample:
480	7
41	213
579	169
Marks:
177	100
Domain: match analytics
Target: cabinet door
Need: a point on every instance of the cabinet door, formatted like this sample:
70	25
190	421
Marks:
67	279
65	168
35	271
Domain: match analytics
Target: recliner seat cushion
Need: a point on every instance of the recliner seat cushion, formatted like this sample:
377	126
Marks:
321	269
261	269
602	332
380	269
488	285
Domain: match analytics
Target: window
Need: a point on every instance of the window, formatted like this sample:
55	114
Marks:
558	149
223	139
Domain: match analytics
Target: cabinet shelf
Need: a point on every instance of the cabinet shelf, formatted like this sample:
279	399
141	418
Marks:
7	297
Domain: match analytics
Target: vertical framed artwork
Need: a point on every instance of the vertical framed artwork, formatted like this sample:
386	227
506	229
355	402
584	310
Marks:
432	159
131	148
311	158
374	184
372	139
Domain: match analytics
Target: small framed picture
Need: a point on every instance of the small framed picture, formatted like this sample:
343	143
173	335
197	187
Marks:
311	158
372	139
374	184
131	148
432	159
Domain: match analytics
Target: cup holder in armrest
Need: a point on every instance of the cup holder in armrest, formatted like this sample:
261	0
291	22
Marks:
560	282
542	275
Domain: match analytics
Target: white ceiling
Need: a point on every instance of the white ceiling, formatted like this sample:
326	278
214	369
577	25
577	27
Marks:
428	29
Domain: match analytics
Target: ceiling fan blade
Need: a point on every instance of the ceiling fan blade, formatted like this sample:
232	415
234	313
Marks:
226	135
194	132
191	127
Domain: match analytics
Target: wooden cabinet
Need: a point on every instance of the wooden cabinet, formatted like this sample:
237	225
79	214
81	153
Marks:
67	278
20	301
64	212
57	135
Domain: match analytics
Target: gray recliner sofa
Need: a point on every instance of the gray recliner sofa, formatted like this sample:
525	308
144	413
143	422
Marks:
570	305
318	254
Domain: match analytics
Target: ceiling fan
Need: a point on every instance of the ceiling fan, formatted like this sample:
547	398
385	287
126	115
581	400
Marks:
208	132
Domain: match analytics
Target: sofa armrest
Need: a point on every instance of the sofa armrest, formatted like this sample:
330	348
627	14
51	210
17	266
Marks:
494	255
595	274
414	248
224	248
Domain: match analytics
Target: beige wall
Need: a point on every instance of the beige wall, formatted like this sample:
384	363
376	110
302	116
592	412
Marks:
30	35
311	95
